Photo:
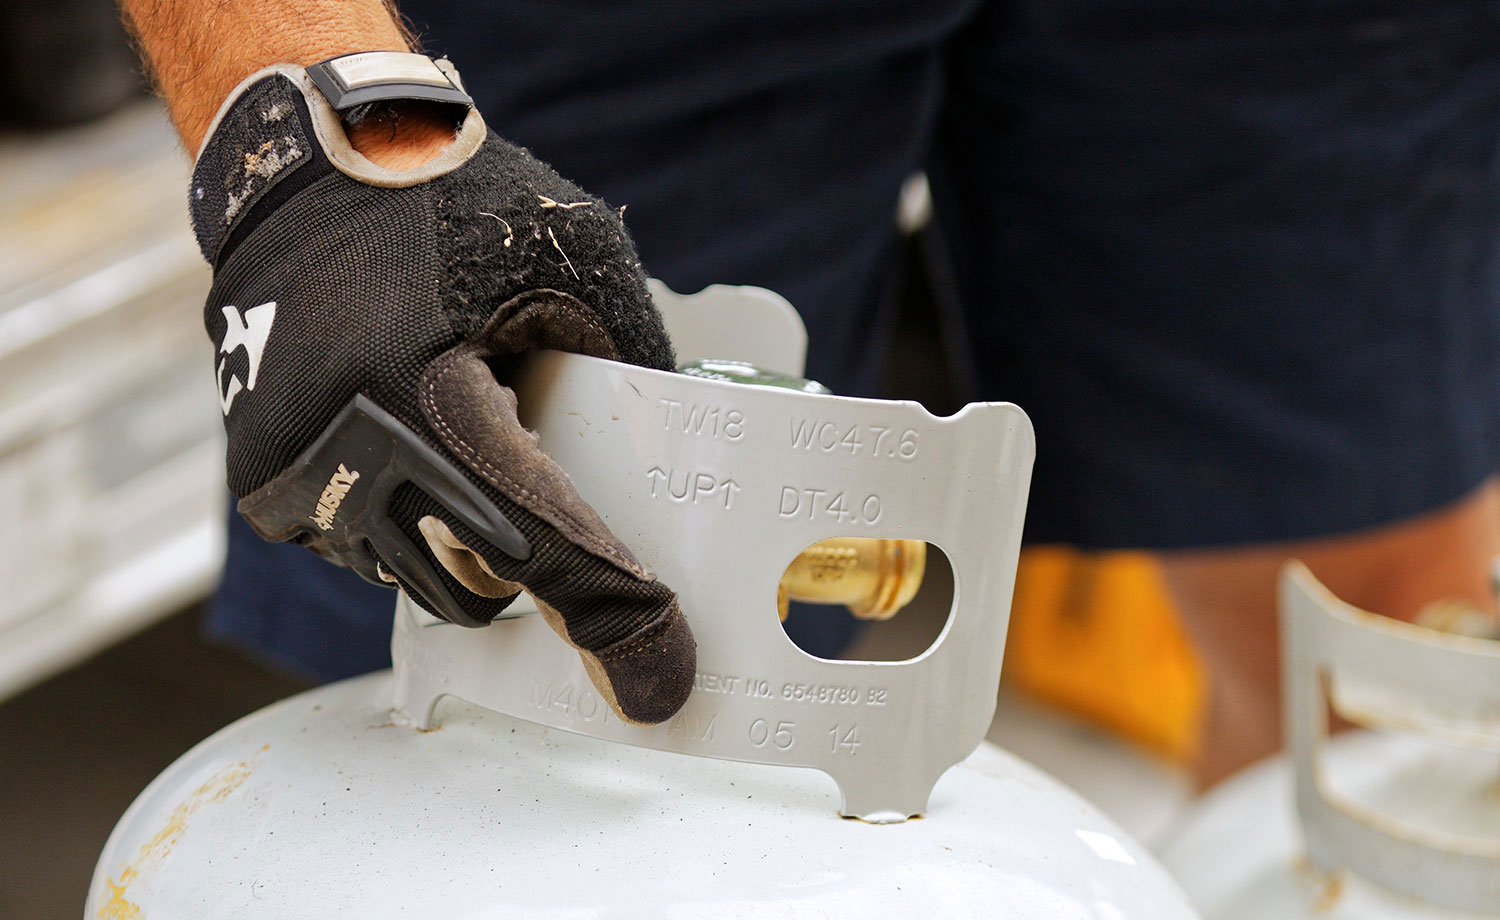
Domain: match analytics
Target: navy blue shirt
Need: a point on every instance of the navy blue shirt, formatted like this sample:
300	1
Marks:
1239	261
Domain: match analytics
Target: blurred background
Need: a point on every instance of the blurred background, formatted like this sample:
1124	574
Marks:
112	501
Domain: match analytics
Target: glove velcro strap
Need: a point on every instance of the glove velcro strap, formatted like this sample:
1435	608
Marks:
262	141
277	133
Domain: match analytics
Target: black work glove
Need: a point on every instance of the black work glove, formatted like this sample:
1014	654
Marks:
360	314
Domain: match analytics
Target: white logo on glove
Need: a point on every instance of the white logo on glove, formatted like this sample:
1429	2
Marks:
250	333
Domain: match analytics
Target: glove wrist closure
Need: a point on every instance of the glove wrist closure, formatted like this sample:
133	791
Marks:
277	133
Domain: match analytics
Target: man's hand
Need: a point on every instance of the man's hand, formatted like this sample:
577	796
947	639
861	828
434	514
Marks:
368	286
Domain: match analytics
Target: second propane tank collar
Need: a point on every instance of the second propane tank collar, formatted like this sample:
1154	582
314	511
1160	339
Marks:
1400	677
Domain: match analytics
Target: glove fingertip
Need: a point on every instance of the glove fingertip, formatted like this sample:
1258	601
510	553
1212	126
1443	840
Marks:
648	677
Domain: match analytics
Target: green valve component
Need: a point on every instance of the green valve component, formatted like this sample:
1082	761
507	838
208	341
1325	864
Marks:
742	372
872	577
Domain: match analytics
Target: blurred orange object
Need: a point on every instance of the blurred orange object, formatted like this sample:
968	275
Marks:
1097	634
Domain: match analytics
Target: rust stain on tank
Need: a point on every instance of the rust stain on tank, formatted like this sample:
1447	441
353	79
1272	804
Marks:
117	906
1326	888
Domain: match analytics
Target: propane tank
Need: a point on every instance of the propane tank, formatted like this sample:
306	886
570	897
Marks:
484	777
1399	820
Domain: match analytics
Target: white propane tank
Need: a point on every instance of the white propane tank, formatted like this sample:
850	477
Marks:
1399	823
484	777
320	806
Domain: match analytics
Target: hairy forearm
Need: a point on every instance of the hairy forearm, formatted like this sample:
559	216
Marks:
199	50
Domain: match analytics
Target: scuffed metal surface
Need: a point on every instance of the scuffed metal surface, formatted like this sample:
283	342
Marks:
155	850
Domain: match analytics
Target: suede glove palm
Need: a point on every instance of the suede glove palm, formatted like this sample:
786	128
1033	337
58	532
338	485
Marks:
361	314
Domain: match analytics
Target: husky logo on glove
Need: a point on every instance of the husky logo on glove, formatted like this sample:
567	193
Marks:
333	496
250	333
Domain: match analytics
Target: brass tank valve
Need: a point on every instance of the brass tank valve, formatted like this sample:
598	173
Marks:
873	578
